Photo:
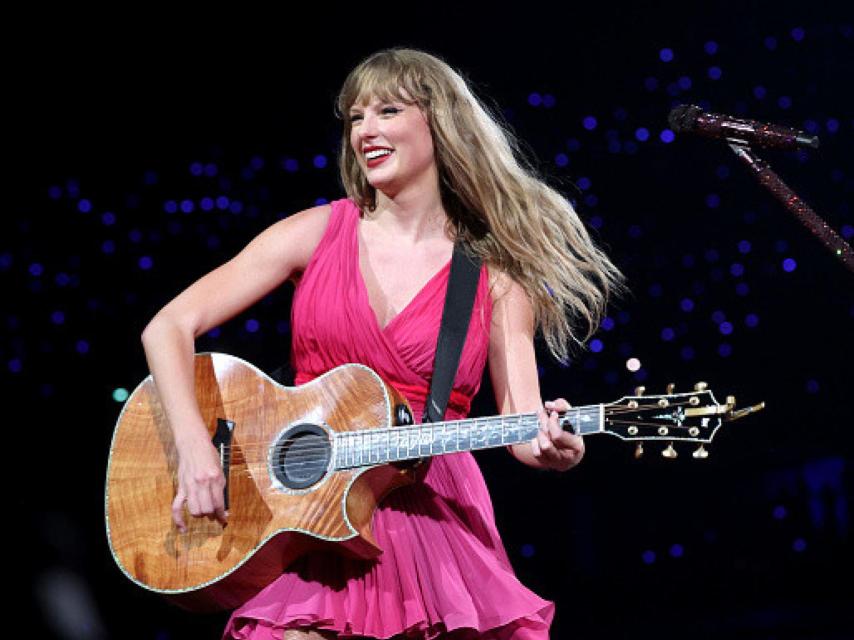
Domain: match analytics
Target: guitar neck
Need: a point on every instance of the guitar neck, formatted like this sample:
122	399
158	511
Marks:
410	442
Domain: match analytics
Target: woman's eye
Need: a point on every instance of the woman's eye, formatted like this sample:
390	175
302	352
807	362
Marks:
391	110
355	116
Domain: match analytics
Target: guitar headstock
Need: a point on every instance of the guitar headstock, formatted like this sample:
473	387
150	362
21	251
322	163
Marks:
693	416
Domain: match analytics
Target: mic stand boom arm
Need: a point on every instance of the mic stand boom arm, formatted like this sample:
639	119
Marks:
801	210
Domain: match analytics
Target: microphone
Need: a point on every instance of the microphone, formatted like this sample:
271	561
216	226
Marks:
691	119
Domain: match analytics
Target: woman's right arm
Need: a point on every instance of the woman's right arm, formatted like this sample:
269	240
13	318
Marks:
169	342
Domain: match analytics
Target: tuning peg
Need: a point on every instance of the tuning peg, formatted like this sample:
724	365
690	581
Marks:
701	386
639	451
669	452
671	388
639	391
701	453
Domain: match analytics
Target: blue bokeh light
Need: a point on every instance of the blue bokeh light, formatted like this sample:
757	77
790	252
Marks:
711	47
84	206
751	320
320	161
677	551
535	99
648	556
798	34
724	350
642	134
145	263
789	265
714	73
252	325
589	123
770	43
596	345
687	305
667	136
667	334
666	55
528	550
813	386
779	512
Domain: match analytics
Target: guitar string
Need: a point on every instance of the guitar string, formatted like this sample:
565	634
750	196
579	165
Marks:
525	420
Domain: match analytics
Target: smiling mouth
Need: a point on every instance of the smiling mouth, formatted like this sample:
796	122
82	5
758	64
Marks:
375	158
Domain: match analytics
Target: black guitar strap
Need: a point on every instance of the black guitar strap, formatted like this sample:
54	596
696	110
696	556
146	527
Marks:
459	300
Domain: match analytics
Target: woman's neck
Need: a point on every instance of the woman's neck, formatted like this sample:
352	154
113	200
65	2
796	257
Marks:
413	215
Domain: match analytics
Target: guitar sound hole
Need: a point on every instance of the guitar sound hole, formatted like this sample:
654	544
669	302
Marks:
301	456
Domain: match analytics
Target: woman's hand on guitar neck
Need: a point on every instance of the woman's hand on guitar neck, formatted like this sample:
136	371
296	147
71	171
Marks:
553	447
201	484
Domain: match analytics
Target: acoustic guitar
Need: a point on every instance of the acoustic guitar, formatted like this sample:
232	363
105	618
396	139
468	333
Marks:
306	466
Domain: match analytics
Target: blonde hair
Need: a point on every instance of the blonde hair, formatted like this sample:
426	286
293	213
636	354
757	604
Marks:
496	204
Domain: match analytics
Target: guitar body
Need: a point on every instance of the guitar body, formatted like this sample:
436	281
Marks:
283	494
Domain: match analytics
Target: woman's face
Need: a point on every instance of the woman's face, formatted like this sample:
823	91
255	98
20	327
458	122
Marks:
393	144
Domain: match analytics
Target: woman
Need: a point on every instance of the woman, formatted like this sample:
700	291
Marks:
424	165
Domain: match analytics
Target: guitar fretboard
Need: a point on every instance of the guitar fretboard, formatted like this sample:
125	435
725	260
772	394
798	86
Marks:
377	446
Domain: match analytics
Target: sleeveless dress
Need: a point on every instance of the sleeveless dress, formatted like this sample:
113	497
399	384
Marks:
443	565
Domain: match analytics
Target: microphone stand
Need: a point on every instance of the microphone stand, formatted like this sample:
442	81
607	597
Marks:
801	210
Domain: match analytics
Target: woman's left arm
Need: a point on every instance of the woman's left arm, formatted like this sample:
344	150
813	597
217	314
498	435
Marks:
513	370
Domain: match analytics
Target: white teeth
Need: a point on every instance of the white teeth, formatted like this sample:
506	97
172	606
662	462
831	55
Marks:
377	153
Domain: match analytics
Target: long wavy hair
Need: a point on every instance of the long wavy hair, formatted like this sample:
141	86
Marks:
496	203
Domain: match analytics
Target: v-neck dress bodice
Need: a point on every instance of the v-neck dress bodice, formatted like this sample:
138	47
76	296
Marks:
443	565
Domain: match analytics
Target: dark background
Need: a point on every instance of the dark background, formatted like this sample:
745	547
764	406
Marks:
112	118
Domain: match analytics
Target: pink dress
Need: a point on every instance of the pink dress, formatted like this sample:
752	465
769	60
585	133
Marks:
443	565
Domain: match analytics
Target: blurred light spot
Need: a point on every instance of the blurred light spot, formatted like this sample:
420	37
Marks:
54	192
711	47
832	125
718	317
591	200
684	83
206	204
751	320
770	43
667	334
724	350
608	323
589	123
320	161
62	279
596	345
635	231
811	126
120	394
650	84
713	201
759	92
742	289
170	206
145	263
711	255
784	102
84	206
82	347
196	168
283	327
744	247
688	261
847	231
252	325
15	365
623	317
715	73
789	265
549	101
584	183
222	203
561	159
535	99
57	317
687	353
667	136
648	557
779	512
235	206
725	328
528	551
640	375
597	222
799	545
677	551
687	304
256	162
108	246
736	269
36	269
812	386
781	246
656	290
642	134
135	235
798	34
290	165
722	171
633	364
666	55
108	218
214	333
611	377
187	206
